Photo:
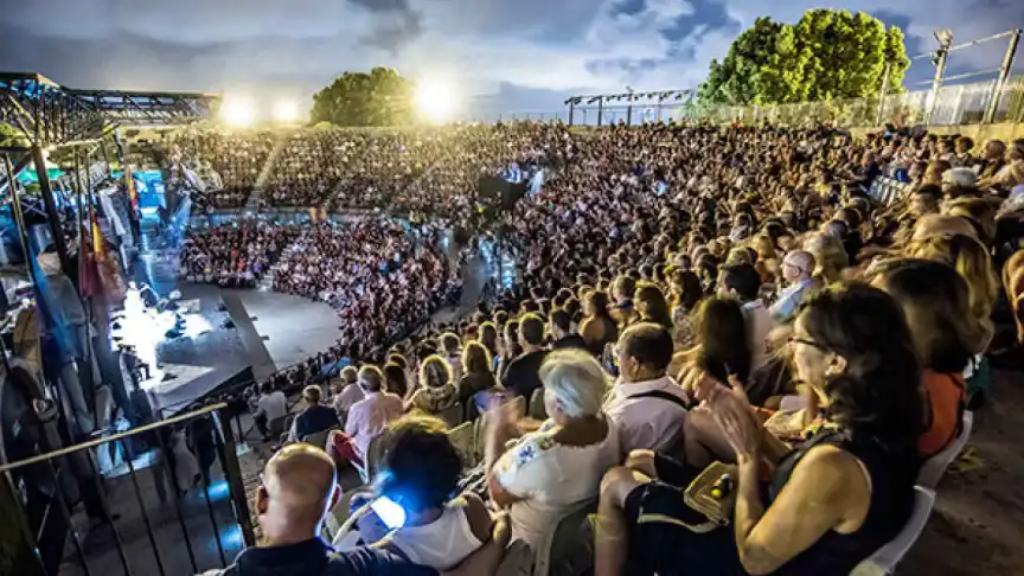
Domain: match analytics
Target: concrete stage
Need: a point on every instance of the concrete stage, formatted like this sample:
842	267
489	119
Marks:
271	331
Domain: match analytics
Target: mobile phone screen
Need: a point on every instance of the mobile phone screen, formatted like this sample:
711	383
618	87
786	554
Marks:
389	512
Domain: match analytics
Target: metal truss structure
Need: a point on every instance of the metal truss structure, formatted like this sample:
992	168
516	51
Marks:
49	114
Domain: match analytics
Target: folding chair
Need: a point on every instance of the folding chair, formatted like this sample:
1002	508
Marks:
934	467
884	561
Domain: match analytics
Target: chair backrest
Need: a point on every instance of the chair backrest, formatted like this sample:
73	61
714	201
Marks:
319	439
884	561
335	519
517	561
537	409
462	436
933	468
452	415
278	426
571	552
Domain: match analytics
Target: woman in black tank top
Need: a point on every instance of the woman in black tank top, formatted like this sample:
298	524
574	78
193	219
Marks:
831	502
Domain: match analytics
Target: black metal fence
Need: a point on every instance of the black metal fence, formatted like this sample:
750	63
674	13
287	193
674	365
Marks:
171	501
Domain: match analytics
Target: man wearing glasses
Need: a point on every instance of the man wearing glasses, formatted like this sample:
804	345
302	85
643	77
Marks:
797	268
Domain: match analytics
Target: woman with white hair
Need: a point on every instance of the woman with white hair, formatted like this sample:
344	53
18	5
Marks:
555	471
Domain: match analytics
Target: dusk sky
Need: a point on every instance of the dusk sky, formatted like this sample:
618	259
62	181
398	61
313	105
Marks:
516	55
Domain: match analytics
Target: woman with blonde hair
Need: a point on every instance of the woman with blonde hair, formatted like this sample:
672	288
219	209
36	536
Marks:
437	390
971	259
557	470
830	256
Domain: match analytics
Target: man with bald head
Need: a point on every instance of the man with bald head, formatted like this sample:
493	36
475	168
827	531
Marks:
797	268
298	489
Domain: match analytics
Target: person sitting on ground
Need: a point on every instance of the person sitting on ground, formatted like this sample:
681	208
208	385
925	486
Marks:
315	417
562	334
848	489
797	269
420	471
272	406
350	392
437	389
646	404
936	303
556	470
522	377
298	489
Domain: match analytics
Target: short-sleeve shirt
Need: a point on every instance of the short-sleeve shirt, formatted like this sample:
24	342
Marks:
552	479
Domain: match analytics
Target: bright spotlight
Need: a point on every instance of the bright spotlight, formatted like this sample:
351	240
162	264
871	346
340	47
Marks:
237	112
436	101
286	112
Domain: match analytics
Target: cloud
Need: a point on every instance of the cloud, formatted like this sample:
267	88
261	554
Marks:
528	54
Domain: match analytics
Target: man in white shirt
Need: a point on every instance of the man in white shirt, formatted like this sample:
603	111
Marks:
350	393
646	405
272	405
797	268
743	282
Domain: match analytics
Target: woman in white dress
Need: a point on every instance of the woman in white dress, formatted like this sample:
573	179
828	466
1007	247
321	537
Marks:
555	471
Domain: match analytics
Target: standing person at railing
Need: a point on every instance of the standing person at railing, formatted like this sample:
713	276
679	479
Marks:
298	490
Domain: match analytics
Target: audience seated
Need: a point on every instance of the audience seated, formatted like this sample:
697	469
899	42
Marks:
849	487
522	377
315	417
550	473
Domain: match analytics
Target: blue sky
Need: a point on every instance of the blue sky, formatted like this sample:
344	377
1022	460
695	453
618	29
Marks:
510	55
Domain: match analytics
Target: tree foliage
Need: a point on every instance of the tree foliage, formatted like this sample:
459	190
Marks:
827	55
11	136
378	98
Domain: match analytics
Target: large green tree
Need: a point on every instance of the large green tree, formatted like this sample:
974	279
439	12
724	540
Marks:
827	55
378	98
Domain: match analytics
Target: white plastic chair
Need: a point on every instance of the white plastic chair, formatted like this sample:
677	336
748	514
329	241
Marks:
933	468
884	561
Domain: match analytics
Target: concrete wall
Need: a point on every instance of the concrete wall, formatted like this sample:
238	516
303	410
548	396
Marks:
1007	132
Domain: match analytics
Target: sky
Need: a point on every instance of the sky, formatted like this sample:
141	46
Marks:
510	56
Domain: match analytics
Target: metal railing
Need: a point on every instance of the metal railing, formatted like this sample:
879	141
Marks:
126	522
950	105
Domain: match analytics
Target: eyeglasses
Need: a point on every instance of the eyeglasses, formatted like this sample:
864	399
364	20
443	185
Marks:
807	341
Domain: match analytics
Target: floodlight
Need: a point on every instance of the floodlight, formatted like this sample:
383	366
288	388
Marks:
436	101
237	111
286	112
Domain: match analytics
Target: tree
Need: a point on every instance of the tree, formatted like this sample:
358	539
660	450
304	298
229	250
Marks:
380	98
11	136
827	55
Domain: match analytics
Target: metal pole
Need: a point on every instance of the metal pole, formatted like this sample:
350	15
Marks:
661	98
232	474
600	110
46	191
83	237
629	109
572	109
19	220
1004	75
940	71
880	113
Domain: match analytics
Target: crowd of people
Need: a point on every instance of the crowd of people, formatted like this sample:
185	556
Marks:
424	170
381	281
235	255
691	301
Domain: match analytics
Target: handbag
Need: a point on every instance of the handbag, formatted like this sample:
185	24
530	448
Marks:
707	495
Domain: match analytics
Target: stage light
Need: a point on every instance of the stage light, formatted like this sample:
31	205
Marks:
237	111
286	112
436	101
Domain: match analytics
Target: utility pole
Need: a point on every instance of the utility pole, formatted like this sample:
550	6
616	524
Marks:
945	38
1004	75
